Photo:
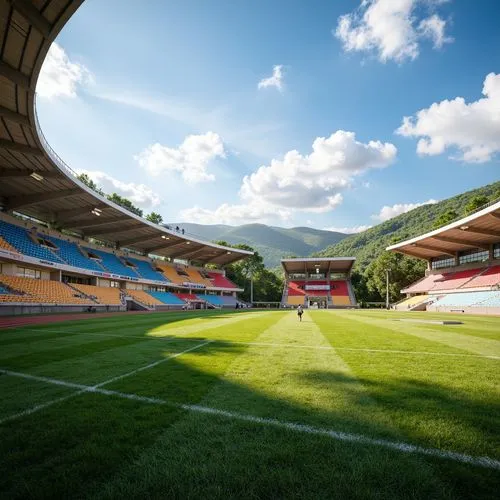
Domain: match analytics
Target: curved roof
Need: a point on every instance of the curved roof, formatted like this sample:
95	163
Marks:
323	264
33	179
478	230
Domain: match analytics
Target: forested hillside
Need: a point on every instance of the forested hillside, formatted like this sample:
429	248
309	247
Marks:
272	243
369	244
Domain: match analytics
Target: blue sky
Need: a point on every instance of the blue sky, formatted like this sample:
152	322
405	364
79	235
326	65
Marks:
284	113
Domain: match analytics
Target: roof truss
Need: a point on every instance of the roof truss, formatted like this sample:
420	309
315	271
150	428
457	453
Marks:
16	202
462	242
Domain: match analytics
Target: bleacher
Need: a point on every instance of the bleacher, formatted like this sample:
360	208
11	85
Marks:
490	298
167	298
489	277
214	300
112	263
170	273
41	291
145	270
145	298
103	295
411	302
220	281
19	238
228	301
451	281
7	246
295	300
196	277
296	288
189	297
71	254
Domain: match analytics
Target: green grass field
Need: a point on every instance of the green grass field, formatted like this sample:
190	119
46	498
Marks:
346	404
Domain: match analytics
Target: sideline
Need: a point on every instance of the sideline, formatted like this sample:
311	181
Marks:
485	462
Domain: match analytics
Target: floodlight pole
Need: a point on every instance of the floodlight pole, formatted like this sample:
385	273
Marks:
387	271
251	287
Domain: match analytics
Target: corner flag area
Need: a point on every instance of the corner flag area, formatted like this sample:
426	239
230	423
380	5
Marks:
221	404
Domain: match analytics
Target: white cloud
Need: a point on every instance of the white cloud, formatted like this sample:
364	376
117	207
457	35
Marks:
390	28
234	214
276	80
308	183
139	194
348	230
473	128
191	158
433	27
387	212
59	77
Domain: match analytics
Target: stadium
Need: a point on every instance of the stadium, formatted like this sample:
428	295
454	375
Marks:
132	367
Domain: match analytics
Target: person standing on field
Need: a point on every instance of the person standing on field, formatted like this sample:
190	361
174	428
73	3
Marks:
300	312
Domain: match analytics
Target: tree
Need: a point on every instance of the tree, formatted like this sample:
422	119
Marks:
123	202
154	217
475	203
90	183
403	271
445	218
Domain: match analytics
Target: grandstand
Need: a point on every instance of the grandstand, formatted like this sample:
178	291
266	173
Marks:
318	282
39	266
463	266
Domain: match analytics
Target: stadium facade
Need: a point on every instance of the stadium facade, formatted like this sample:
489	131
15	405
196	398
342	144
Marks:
45	269
463	265
322	283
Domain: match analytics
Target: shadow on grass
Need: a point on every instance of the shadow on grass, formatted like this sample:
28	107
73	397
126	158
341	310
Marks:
92	441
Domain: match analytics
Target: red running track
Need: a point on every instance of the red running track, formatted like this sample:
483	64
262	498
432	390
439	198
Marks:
13	321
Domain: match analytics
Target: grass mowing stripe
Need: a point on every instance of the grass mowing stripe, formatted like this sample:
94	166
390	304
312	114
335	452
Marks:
39	407
485	462
151	365
478	345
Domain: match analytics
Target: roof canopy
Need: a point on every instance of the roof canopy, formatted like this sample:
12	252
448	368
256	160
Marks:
478	230
34	180
323	264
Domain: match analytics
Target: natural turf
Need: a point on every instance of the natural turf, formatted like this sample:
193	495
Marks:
427	385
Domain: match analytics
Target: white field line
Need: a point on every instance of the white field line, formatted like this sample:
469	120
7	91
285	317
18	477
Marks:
37	407
151	365
270	344
86	388
486	462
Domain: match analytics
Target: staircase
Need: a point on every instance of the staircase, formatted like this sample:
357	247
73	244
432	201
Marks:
79	292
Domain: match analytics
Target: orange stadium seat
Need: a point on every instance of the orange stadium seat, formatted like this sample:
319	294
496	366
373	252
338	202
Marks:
42	291
145	298
103	295
7	246
490	277
170	273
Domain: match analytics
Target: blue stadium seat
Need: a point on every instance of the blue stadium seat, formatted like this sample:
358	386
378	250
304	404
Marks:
469	299
146	270
18	237
70	252
215	300
167	298
112	263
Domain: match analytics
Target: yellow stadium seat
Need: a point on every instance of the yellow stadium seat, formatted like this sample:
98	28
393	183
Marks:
341	300
145	298
103	295
295	300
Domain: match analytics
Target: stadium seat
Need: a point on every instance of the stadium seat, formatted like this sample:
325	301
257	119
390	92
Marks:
112	263
71	254
450	281
167	298
220	281
103	295
341	300
7	246
145	270
170	273
215	300
469	299
41	291
489	277
295	300
145	298
19	238
411	302
189	297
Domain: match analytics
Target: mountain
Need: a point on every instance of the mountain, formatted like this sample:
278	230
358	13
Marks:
273	243
369	244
